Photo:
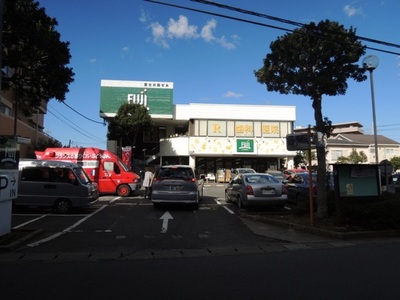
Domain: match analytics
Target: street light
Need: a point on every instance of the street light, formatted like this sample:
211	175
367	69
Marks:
371	62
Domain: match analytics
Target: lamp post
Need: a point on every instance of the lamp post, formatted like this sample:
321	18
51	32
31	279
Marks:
371	62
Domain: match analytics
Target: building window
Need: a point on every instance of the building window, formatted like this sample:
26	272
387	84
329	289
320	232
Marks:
389	151
335	154
4	109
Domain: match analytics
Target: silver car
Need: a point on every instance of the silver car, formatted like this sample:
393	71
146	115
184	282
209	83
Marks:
251	189
177	184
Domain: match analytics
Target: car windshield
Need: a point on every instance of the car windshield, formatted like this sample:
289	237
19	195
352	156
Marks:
82	176
242	171
184	173
260	179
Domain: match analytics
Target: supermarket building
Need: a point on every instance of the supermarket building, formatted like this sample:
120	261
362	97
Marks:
209	137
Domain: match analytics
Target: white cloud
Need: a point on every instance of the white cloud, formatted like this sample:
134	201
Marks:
143	16
351	11
158	33
92	61
125	49
181	28
226	44
230	94
207	31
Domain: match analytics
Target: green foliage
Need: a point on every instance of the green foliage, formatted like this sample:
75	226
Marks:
299	159
359	214
50	142
396	162
354	158
33	55
314	60
374	215
129	121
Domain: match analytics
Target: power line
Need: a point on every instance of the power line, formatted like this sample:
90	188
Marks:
284	20
78	129
102	123
263	24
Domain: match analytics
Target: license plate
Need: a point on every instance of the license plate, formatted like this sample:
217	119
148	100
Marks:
268	192
173	188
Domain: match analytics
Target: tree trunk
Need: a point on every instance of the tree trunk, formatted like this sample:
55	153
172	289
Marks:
322	202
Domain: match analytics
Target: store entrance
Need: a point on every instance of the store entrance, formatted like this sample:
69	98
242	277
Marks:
218	165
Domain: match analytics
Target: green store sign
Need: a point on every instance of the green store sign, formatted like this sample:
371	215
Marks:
244	145
156	96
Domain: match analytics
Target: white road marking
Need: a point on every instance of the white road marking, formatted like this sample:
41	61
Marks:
33	220
115	199
229	210
165	217
224	206
56	235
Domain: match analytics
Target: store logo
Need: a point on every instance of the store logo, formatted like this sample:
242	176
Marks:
245	146
140	99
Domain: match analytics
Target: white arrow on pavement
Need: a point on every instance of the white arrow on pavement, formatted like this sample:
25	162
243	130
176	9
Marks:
165	217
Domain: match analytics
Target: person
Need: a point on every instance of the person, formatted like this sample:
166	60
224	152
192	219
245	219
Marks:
147	182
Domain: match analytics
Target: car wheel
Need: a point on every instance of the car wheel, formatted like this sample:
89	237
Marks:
63	206
123	190
227	199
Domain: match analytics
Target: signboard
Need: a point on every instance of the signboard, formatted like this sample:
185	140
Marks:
356	181
244	145
156	96
8	184
297	141
9	158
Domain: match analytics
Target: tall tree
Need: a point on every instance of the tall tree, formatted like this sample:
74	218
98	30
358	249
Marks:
131	119
314	60
35	59
354	158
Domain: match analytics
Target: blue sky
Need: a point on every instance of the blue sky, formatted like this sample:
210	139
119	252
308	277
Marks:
211	59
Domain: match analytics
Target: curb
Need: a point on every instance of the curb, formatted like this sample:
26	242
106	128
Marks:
16	238
323	232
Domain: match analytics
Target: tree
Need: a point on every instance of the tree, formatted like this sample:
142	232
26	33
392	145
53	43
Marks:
314	60
33	56
129	121
50	142
354	158
299	159
395	160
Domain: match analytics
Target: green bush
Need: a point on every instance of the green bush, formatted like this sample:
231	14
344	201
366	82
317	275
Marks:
368	214
373	215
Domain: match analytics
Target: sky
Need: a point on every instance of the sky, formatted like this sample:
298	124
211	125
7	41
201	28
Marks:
212	59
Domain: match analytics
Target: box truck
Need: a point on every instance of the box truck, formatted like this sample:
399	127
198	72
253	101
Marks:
103	167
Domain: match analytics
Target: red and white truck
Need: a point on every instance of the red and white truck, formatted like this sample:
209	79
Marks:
103	167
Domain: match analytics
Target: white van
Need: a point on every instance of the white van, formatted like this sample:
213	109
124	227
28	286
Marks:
60	185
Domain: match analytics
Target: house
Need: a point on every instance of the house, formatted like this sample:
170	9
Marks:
348	136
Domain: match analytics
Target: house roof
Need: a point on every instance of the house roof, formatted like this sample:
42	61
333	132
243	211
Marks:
360	139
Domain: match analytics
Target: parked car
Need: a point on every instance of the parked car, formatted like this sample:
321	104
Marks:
251	189
277	174
299	186
174	184
289	173
238	171
210	177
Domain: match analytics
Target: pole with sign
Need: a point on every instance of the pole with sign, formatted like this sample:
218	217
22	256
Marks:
9	159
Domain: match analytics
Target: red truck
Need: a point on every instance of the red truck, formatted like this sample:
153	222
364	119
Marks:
103	167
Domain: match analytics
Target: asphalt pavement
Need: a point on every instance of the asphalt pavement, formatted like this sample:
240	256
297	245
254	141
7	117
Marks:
289	236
